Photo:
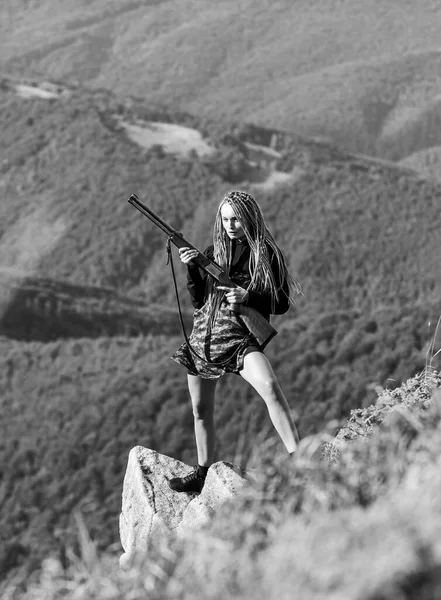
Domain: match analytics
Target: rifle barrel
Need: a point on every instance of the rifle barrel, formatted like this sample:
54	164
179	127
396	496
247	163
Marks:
136	202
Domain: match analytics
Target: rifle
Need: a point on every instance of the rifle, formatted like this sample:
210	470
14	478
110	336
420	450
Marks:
255	322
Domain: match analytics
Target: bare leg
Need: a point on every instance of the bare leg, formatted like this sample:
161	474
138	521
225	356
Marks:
202	392
258	372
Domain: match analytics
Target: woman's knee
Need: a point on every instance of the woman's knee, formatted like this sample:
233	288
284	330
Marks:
270	387
202	399
202	414
203	410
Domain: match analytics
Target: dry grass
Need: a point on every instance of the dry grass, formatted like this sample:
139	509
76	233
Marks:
432	352
365	527
174	139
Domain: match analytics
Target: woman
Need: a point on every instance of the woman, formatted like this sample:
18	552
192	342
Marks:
220	343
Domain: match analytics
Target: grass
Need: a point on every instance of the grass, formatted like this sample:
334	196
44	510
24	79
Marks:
174	139
431	354
308	528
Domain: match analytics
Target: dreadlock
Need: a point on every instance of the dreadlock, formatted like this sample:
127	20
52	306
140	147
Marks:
259	239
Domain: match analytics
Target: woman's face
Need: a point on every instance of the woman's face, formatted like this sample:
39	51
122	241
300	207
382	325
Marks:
230	222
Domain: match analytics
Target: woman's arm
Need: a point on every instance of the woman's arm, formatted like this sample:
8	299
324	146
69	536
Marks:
197	281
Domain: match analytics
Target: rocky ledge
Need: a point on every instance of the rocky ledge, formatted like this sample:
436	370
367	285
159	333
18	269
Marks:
150	508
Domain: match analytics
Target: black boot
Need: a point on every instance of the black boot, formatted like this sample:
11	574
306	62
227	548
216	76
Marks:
194	482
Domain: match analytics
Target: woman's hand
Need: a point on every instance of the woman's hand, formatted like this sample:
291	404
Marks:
236	295
187	255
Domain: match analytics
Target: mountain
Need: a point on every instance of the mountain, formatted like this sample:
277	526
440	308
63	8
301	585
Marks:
343	69
87	319
327	112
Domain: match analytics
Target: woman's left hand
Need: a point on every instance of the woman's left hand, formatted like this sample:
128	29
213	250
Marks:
236	295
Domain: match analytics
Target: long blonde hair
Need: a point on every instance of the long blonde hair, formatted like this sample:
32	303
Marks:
259	238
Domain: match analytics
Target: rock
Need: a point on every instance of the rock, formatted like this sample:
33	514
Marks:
150	508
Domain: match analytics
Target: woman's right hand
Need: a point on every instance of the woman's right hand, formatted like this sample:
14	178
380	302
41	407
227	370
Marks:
187	255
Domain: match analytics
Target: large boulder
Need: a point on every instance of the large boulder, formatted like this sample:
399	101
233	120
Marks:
150	508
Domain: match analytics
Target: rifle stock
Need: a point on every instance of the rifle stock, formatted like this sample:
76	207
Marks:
253	320
256	323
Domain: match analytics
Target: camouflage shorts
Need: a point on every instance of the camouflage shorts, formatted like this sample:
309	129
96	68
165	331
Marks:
226	343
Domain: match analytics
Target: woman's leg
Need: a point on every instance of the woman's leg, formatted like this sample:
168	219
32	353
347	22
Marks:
258	372
202	392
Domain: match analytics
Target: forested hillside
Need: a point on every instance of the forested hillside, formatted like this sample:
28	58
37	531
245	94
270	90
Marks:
85	373
365	231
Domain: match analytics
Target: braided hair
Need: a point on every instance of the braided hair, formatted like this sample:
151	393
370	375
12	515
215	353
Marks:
259	238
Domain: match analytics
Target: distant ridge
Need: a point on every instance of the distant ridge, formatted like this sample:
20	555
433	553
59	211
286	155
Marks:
265	135
346	71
